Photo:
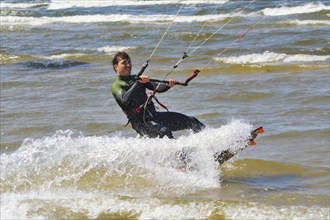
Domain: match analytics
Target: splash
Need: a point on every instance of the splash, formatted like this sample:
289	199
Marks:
113	175
123	166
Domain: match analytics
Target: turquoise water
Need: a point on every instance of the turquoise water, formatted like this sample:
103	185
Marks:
65	152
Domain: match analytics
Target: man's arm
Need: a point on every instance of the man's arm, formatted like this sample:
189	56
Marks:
159	87
122	95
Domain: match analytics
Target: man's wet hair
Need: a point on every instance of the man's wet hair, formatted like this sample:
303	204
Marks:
121	55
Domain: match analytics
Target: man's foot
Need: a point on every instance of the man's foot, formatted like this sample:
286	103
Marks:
181	169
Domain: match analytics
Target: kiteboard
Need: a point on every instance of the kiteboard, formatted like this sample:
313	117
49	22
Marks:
220	157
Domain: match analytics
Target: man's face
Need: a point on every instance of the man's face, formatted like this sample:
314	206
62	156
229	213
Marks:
124	67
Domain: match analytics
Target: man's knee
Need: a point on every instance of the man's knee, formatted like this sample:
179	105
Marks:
152	130
196	125
165	131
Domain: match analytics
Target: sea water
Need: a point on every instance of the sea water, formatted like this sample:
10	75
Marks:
65	150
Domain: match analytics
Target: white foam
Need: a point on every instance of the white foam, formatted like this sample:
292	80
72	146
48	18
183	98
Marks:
180	211
20	21
271	57
63	56
93	204
16	20
307	22
21	5
61	4
6	58
303	9
114	49
106	49
44	205
259	212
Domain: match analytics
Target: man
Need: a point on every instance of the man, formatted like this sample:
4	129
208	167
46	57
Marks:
130	94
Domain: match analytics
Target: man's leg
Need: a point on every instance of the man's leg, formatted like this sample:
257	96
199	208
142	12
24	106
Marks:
152	129
177	121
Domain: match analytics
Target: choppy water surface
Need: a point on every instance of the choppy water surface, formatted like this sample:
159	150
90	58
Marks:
65	152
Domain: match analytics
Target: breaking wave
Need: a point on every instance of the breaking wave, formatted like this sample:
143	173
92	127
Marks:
60	4
271	57
34	21
307	22
303	9
52	64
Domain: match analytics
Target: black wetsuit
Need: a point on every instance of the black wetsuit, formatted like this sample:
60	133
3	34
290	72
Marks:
131	97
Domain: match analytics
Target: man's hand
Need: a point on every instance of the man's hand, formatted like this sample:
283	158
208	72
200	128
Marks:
171	83
144	79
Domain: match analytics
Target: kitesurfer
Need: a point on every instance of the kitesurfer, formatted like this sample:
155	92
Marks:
130	93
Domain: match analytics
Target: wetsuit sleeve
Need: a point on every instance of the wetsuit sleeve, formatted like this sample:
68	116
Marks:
161	88
122	95
130	94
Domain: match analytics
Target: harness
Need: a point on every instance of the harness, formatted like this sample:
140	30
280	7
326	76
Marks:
140	111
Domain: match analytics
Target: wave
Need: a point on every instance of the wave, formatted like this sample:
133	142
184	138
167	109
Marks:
21	5
55	61
61	4
60	60
38	21
63	59
64	4
306	22
7	58
76	204
73	59
271	57
53	64
114	49
16	20
106	49
304	9
64	56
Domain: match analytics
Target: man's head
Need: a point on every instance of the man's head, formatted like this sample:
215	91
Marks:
121	63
